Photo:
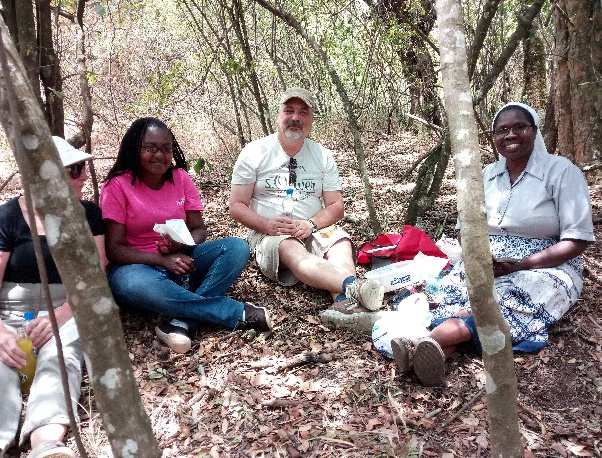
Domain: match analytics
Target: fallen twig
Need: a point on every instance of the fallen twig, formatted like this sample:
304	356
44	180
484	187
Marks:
308	357
5	182
468	404
278	403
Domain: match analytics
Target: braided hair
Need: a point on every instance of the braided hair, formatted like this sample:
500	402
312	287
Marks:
128	157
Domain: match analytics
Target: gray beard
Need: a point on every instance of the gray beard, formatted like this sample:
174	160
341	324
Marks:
292	135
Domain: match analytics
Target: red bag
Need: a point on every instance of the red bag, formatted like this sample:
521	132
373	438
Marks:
399	247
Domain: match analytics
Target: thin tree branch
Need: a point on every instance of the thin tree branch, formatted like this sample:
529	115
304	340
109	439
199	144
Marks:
37	247
5	182
349	110
489	10
521	32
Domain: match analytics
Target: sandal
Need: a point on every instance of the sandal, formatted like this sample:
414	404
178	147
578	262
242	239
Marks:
429	362
52	449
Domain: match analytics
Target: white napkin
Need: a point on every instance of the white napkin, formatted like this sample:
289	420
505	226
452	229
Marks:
177	230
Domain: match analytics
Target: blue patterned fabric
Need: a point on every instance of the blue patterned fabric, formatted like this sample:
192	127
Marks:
530	300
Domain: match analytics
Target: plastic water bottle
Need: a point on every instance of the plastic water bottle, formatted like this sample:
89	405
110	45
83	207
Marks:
288	203
27	372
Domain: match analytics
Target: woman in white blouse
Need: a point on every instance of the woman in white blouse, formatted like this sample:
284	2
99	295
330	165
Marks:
539	220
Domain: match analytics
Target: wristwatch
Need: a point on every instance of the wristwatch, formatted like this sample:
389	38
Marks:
314	226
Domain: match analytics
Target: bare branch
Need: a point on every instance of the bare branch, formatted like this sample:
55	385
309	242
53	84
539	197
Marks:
489	10
521	32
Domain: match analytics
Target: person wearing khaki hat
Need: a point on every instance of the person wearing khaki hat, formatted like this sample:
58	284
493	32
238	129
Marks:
286	189
22	309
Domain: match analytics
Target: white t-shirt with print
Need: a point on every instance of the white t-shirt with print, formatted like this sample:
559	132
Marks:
265	163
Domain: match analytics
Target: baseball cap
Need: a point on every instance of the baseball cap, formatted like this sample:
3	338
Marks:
299	93
69	155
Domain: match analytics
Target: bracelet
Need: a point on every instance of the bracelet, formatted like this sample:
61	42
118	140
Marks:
314	226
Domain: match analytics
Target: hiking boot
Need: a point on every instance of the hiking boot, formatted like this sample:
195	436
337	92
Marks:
175	337
368	293
52	449
357	321
257	317
403	354
348	306
429	362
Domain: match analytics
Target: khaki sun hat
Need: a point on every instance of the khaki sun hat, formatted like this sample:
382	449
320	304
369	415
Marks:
299	93
69	155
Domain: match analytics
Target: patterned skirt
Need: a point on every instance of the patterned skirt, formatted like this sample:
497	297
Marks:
530	300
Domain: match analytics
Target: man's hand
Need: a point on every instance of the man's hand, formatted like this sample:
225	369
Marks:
281	225
39	331
304	229
178	264
10	353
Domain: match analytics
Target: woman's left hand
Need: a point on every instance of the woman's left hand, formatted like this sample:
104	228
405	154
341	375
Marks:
167	245
39	331
505	268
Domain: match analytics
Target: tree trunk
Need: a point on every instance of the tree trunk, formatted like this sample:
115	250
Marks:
417	64
20	18
50	72
349	111
493	330
578	89
74	252
534	69
238	22
87	117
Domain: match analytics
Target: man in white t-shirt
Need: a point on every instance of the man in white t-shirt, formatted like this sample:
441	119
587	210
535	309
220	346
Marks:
286	189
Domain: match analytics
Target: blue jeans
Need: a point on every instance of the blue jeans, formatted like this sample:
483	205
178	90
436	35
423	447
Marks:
154	289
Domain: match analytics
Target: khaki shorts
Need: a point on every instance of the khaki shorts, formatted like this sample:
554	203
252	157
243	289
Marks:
265	248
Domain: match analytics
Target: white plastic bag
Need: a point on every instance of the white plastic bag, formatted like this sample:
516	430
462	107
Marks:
411	321
451	247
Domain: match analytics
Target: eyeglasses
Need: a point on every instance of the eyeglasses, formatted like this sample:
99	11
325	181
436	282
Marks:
153	148
292	174
520	129
75	170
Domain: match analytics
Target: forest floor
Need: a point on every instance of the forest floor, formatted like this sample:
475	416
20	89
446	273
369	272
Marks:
233	395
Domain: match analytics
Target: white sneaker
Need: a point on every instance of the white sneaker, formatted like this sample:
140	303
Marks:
175	337
368	293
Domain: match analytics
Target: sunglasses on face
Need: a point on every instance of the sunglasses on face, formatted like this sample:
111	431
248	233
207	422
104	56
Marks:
292	172
75	170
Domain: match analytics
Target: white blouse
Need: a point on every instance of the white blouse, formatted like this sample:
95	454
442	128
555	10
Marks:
549	200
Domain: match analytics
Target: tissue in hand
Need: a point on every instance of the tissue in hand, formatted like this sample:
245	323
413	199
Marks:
176	229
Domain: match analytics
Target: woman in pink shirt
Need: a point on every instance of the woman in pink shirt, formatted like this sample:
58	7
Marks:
148	184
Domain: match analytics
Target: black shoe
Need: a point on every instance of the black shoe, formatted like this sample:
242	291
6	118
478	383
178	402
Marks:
257	318
175	337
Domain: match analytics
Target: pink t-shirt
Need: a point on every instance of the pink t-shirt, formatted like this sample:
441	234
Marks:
139	207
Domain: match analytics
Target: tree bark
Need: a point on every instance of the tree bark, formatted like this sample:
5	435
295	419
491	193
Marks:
74	252
237	17
578	84
492	328
418	67
480	34
49	71
20	18
534	69
522	30
87	119
349	110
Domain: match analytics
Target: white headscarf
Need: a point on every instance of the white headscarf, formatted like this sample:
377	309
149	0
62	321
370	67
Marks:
539	147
